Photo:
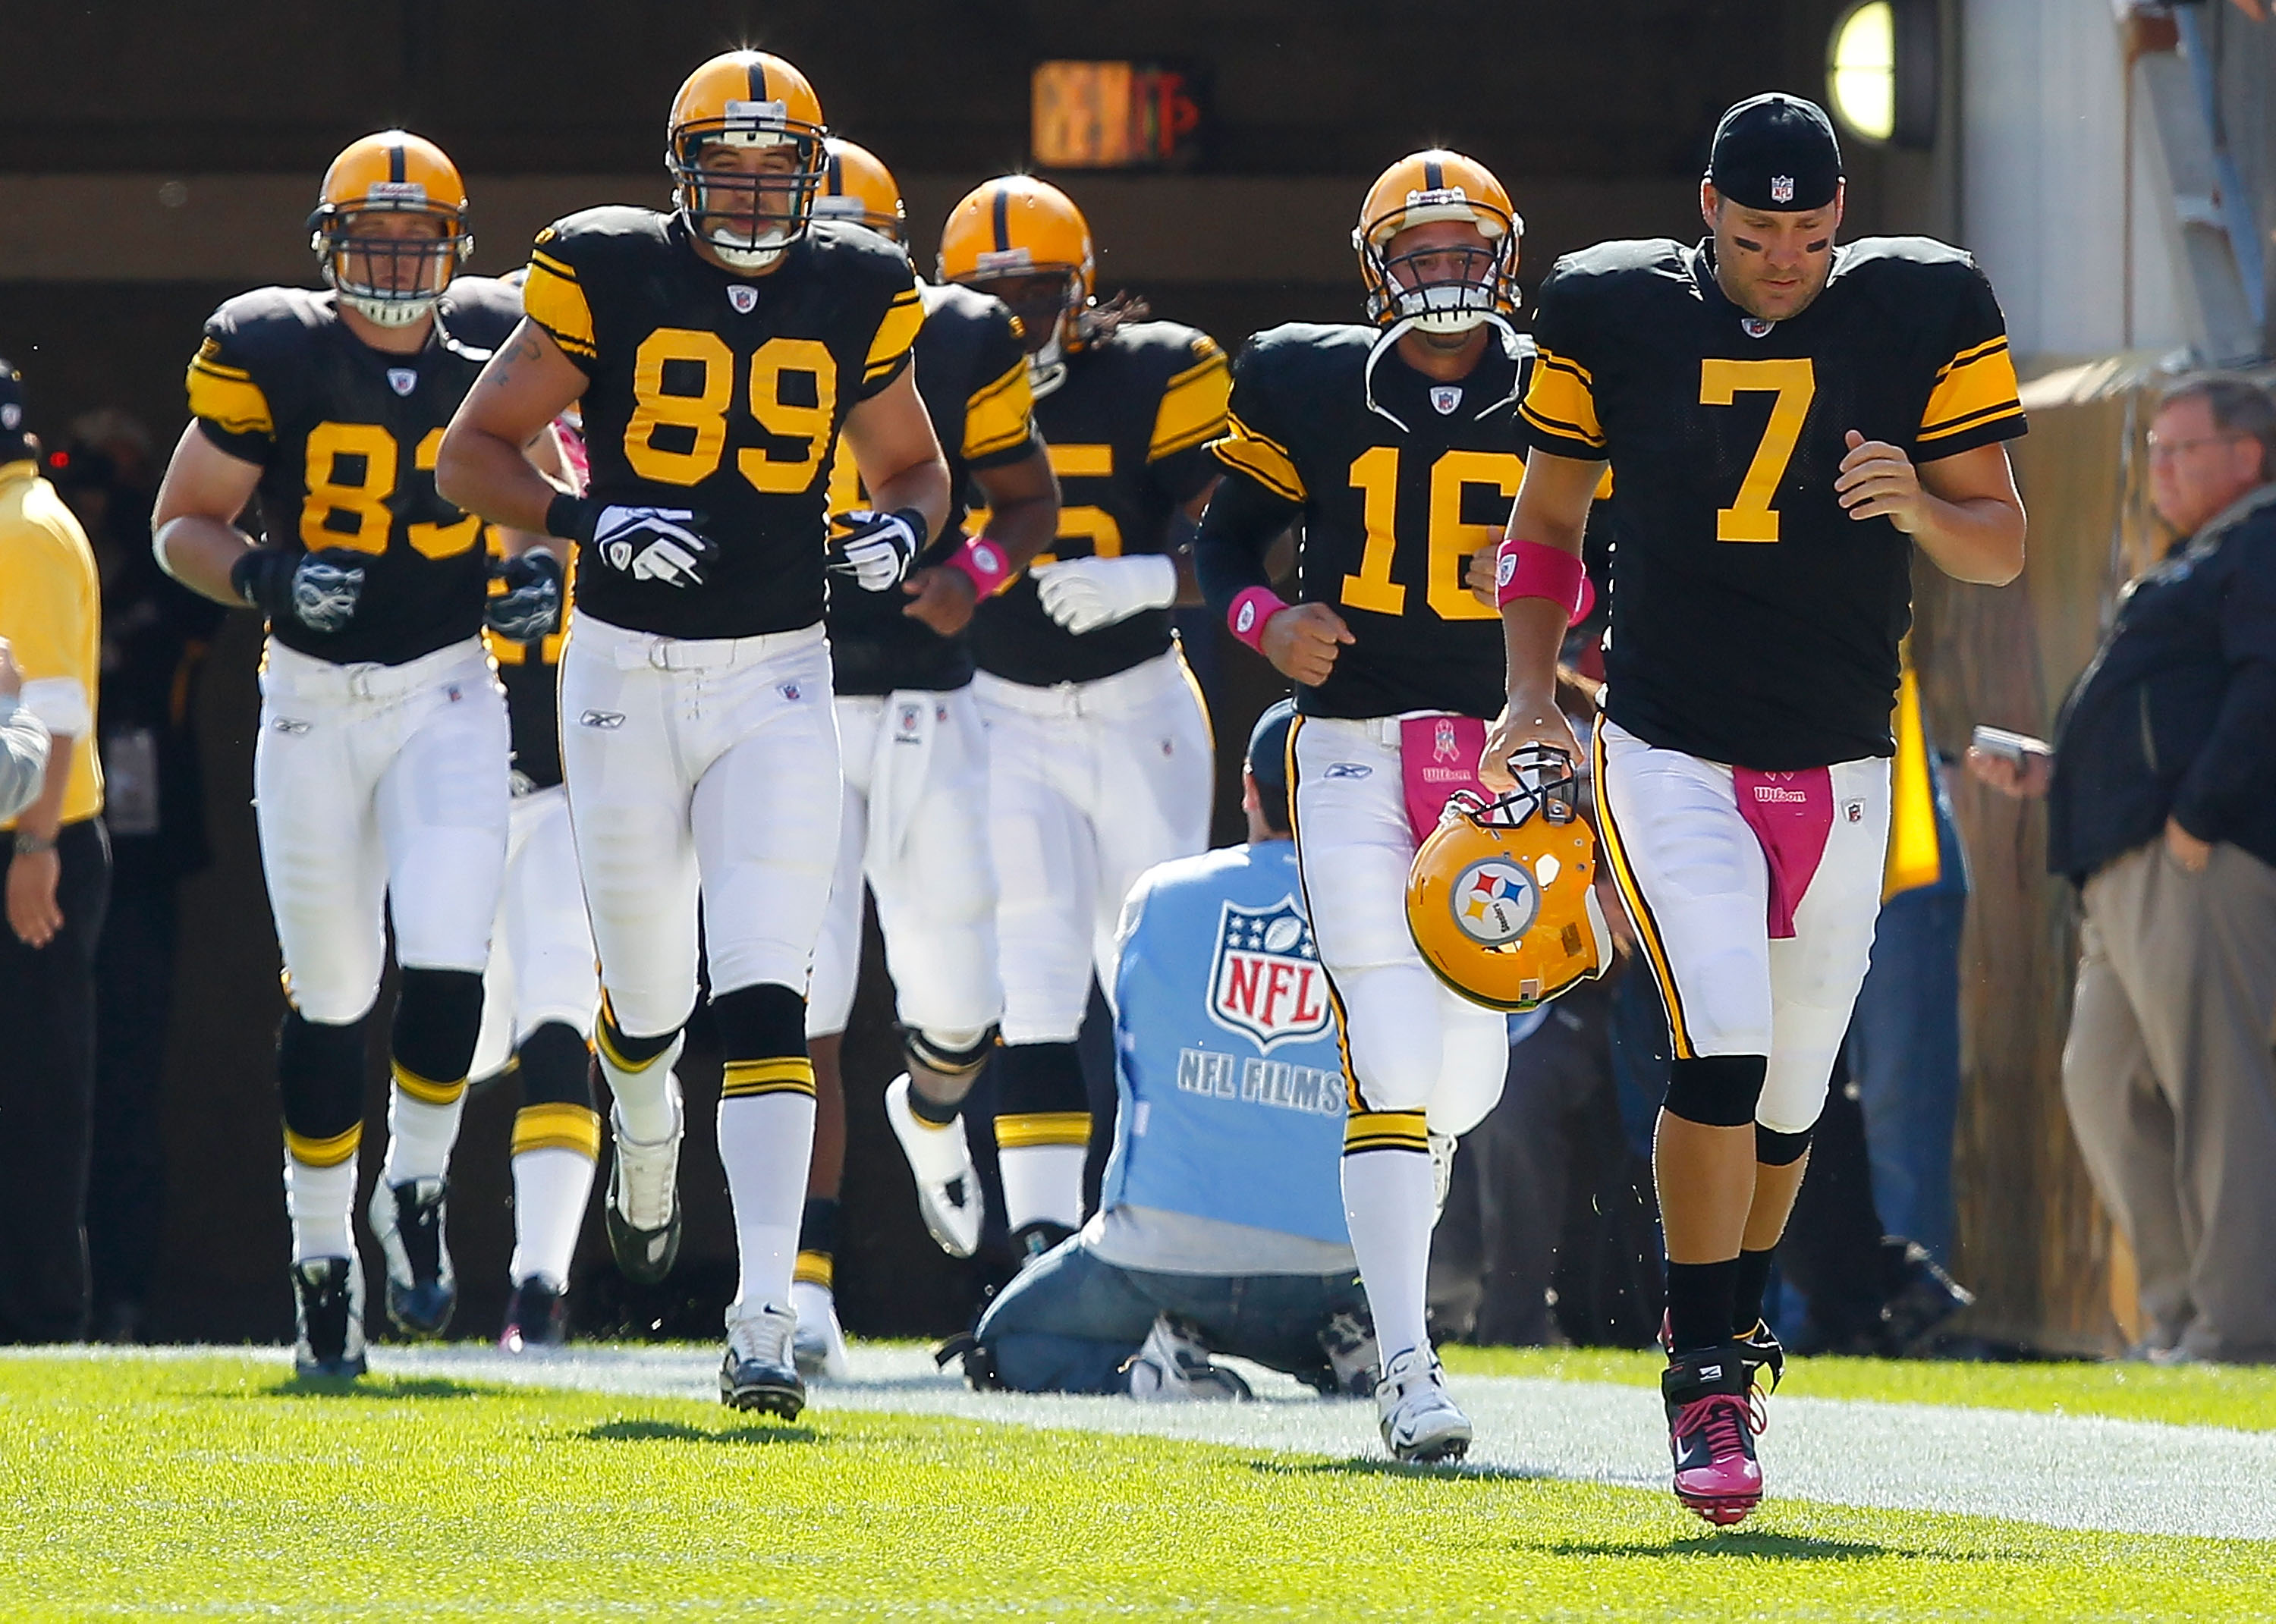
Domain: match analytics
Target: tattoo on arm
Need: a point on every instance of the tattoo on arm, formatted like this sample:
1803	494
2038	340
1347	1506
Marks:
526	350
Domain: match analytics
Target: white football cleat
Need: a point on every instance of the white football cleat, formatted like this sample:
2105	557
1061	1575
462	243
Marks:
948	1187
1420	1421
1443	1147
1172	1367
819	1347
643	1209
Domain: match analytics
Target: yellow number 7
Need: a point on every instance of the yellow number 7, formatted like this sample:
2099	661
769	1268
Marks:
1751	518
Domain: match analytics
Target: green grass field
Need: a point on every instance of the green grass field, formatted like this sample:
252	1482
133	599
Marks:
216	1488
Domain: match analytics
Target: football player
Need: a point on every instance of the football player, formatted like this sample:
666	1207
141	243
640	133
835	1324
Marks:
718	350
1396	446
381	768
1099	741
914	825
539	993
1789	421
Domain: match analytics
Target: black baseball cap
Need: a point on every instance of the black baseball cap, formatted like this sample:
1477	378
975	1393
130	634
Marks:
1776	152
1268	745
15	437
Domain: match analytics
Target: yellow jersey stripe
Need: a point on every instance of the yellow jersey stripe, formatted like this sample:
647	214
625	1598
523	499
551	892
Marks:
1192	407
1972	353
559	267
1043	1128
557	1126
323	1152
551	298
229	399
1261	457
999	415
427	1088
904	319
1971	391
1561	398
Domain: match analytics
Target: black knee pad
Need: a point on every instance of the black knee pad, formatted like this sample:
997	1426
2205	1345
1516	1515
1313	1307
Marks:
1037	1078
555	1068
1773	1148
629	1053
438	1019
1716	1090
765	1022
320	1074
965	1062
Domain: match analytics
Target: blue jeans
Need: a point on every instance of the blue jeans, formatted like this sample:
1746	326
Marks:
1071	1321
1904	1048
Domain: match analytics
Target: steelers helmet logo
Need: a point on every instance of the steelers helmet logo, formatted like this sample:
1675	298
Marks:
1495	901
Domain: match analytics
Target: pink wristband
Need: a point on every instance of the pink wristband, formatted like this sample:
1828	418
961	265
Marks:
1531	569
1251	611
982	561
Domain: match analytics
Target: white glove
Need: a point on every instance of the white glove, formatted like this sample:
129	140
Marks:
1085	594
654	543
875	548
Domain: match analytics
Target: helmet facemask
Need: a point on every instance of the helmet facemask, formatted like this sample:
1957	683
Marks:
1445	287
1052	305
391	281
749	219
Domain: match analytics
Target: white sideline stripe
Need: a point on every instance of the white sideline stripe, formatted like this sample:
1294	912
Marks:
2071	1472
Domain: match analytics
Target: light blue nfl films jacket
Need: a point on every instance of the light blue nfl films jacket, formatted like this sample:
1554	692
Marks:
1231	1087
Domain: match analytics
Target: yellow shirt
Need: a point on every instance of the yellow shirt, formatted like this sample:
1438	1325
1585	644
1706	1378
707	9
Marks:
51	614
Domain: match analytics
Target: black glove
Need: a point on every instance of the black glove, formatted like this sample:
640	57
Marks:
530	606
318	589
876	549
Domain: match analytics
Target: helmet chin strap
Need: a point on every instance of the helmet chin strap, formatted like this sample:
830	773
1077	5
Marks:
742	256
390	312
1405	324
1047	368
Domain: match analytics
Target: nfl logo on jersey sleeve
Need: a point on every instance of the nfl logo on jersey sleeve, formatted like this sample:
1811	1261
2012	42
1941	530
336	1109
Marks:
1266	982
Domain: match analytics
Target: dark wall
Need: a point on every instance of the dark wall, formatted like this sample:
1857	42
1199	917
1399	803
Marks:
1604	112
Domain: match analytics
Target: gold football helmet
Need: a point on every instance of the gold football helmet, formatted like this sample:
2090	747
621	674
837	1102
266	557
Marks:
856	185
747	101
390	226
1501	900
1418	190
1025	241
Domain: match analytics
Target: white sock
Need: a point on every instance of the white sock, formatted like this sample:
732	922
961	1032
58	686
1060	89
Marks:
319	1200
1042	1184
765	1141
1388	1201
550	1184
420	1133
648	1100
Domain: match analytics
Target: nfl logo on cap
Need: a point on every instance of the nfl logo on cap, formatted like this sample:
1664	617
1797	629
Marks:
1781	188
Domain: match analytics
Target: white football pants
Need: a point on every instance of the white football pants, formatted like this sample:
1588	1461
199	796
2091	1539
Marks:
914	825
1697	887
1408	1044
1089	784
698	767
541	966
372	783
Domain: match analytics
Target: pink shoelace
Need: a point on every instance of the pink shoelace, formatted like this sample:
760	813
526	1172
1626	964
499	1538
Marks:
1721	1415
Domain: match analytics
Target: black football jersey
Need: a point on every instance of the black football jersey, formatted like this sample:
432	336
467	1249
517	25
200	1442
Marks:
1128	428
973	378
346	437
722	395
1754	621
1393	500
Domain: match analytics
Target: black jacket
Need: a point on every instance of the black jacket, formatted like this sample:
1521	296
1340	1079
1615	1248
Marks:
2176	713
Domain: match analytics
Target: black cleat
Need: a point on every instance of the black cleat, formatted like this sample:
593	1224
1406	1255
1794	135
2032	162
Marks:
536	1315
423	1292
759	1371
328	1318
1762	1351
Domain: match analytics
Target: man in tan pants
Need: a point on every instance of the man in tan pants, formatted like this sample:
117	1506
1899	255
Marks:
2161	789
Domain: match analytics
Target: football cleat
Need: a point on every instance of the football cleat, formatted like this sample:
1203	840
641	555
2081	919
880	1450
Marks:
1443	1147
328	1318
1348	1339
940	1160
819	1347
1421	1424
536	1315
759	1372
1713	1417
642	1210
423	1290
1759	1347
1172	1367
